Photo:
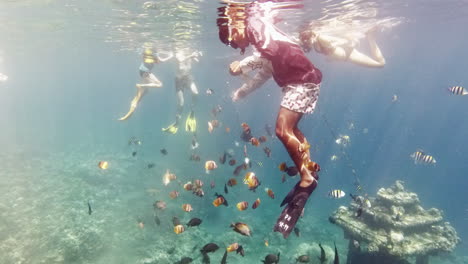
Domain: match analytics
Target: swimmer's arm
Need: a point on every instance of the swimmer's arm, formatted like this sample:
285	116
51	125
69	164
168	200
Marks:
168	57
194	56
256	82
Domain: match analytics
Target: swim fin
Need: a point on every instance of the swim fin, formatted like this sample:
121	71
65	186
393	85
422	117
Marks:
171	129
191	123
295	200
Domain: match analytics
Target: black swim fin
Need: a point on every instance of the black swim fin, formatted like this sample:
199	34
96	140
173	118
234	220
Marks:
295	200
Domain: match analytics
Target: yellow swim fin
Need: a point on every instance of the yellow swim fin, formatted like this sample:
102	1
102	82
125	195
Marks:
191	123
171	129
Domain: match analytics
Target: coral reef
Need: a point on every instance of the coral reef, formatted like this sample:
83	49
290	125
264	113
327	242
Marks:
393	227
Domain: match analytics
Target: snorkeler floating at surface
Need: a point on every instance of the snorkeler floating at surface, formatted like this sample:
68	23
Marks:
242	24
148	80
184	81
342	48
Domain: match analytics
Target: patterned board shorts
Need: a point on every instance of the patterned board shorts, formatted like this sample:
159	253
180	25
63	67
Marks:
301	98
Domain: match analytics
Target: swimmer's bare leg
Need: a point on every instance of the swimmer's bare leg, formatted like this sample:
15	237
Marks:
377	60
292	138
141	91
375	50
194	89
151	81
296	199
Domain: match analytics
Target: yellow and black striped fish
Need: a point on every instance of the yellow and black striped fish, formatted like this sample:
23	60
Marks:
420	157
336	194
428	159
417	156
458	90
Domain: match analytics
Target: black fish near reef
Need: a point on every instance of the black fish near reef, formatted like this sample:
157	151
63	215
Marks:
359	212
297	231
323	256
151	165
225	189
292	171
224	259
90	211
209	248
222	159
156	219
272	259
184	260
337	258
163	151
134	153
194	222
240	250
206	259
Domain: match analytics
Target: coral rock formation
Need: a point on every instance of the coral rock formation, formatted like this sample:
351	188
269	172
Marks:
394	227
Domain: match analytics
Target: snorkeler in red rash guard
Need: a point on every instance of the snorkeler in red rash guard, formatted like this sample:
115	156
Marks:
242	24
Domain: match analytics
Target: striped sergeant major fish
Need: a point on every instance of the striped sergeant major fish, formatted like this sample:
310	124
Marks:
458	90
420	157
336	194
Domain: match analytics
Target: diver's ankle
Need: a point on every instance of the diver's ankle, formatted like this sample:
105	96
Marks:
306	182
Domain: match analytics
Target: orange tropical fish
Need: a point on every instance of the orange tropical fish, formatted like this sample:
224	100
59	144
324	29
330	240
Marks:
228	130
242	206
141	225
187	207
168	177
188	186
232	182
282	166
232	247
210	127
270	193
198	183
251	180
254	141
256	203
174	194
210	165
179	229
241	228
248	176
215	123
218	201
103	165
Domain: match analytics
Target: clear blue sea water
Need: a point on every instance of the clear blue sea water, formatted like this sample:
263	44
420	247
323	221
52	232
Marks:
72	68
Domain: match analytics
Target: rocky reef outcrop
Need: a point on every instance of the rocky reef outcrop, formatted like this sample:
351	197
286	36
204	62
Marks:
393	228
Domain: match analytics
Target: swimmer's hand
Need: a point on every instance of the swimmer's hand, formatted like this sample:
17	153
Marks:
238	94
235	69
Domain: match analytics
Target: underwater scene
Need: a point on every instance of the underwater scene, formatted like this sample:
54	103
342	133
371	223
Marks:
220	131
